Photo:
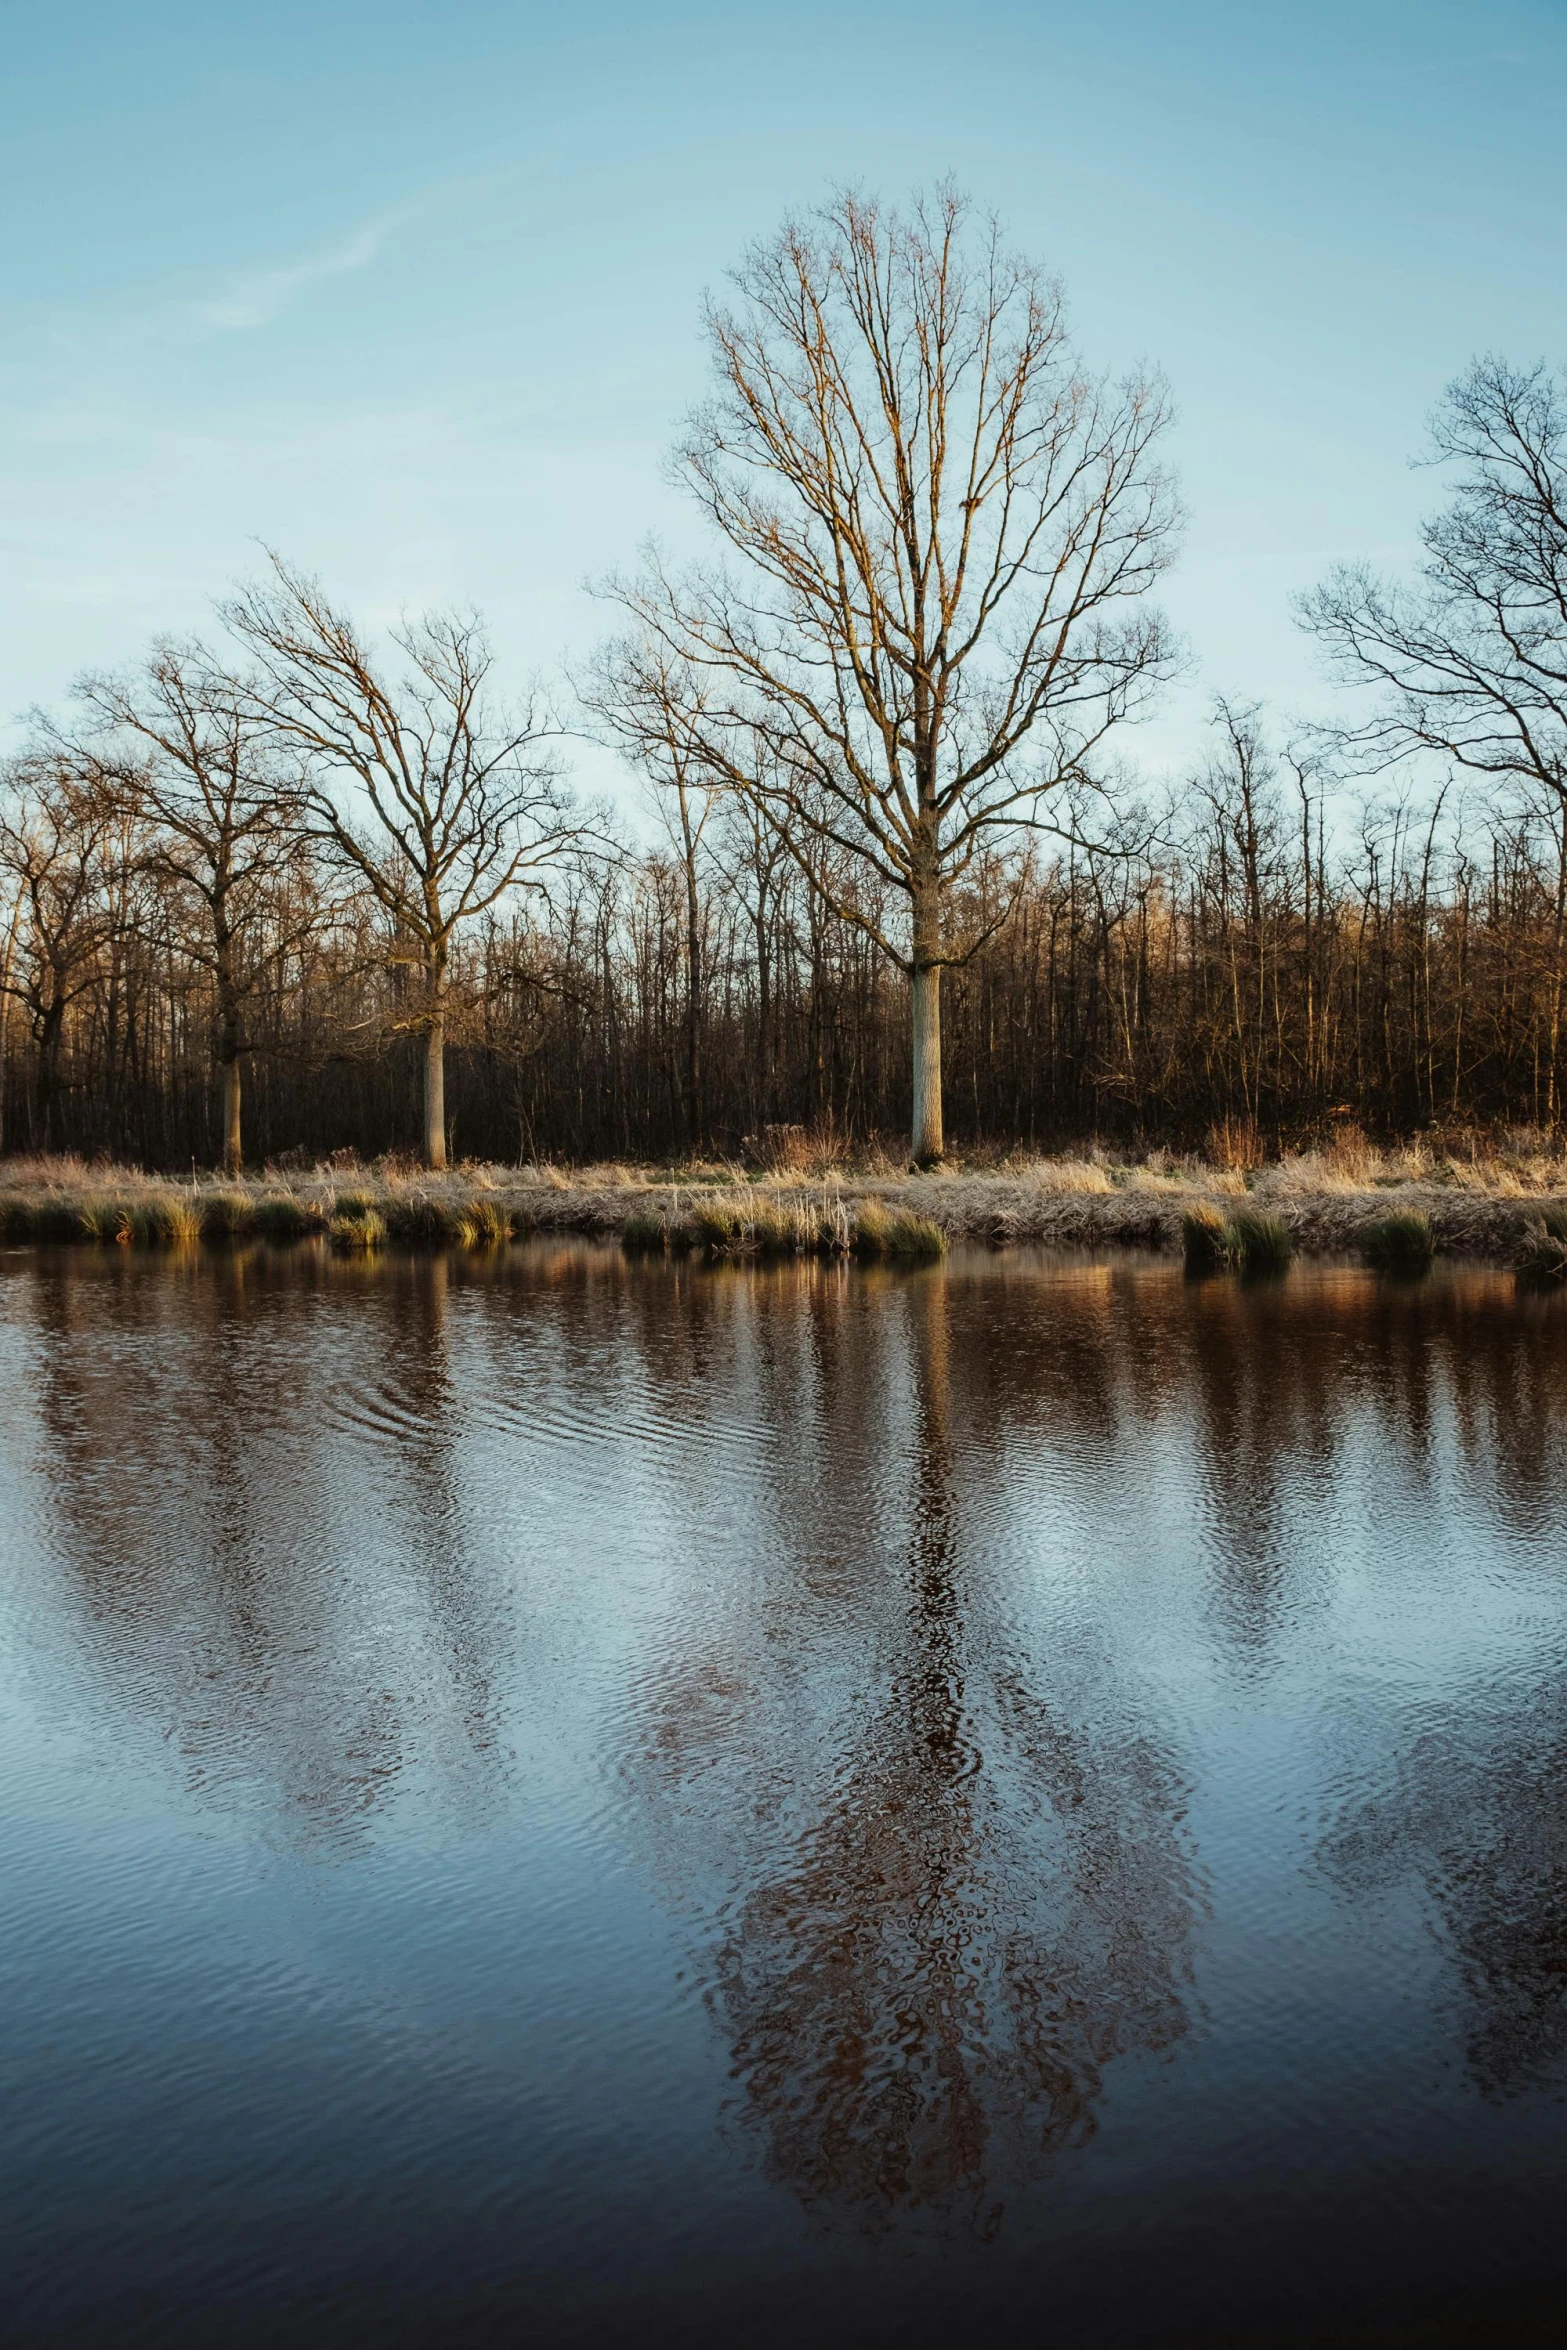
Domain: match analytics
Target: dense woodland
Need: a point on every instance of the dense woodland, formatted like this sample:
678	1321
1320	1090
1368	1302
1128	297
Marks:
296	892
1278	963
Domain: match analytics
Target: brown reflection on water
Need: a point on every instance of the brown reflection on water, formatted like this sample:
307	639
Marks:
214	1513
957	1880
889	1739
1474	1814
954	1906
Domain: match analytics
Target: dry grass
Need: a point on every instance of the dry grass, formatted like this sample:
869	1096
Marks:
897	1233
1254	1241
356	1227
1066	1176
1205	1238
225	1215
1402	1241
1542	1259
1482	1201
1262	1241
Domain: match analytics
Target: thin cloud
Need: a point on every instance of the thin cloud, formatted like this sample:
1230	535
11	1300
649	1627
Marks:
264	295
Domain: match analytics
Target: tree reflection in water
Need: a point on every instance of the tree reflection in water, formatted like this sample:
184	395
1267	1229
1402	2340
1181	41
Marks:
261	1512
905	1609
930	1950
1474	1814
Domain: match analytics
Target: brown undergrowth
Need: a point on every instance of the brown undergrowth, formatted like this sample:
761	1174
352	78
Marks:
1347	1199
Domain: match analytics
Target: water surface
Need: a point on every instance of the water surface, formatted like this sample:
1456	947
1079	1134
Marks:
563	1802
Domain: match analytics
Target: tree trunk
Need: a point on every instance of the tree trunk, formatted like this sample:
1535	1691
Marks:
233	1153
435	1093
694	979
926	991
48	1073
230	1035
5	1005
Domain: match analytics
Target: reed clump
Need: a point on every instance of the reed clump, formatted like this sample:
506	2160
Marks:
163	1220
1253	1241
752	1227
778	1230
424	1222
1263	1241
488	1222
227	1215
356	1227
717	1227
60	1220
748	1223
99	1220
897	1234
280	1216
1206	1239
156	1219
1543	1257
1400	1242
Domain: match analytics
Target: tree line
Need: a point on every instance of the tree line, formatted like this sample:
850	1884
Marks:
294	889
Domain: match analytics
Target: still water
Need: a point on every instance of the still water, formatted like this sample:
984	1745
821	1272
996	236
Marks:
567	1802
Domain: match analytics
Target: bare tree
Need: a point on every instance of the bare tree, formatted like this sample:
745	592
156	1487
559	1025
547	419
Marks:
945	533
462	802
638	700
224	818
1470	663
53	837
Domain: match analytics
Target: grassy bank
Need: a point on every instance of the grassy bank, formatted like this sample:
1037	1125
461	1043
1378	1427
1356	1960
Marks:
1395	1209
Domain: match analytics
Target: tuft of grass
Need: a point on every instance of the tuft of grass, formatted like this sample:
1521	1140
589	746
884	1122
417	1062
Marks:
752	1225
59	1219
717	1226
282	1217
834	1234
1208	1241
1543	1258
420	1222
1400	1242
872	1224
165	1220
100	1219
1263	1242
179	1222
356	1230
225	1215
355	1203
427	1221
644	1234
1255	1241
489	1224
897	1233
772	1230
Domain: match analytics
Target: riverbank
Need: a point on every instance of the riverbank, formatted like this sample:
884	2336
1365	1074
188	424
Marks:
1493	1208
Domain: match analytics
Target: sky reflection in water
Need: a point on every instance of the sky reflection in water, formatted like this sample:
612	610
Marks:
557	1796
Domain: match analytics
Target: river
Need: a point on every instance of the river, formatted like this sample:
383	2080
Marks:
551	1800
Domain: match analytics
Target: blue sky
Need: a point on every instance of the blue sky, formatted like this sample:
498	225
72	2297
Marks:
412	290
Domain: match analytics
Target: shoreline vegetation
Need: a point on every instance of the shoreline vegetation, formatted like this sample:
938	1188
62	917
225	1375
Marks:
1396	1209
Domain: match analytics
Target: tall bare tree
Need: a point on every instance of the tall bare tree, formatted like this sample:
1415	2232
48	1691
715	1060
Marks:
224	833
437	801
943	536
1470	662
54	833
639	703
